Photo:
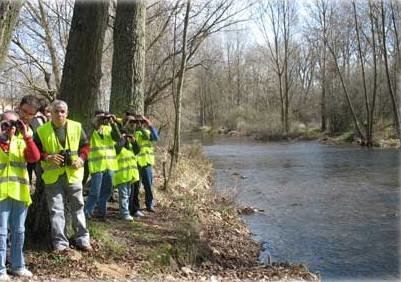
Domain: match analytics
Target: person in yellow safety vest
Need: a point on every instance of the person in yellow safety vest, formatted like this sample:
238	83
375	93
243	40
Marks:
64	148
127	172
102	162
145	135
15	197
27	110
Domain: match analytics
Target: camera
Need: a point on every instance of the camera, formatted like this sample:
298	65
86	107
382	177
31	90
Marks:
67	161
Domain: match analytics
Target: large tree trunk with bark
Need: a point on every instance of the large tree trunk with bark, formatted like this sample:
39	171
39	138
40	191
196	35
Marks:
82	68
38	219
128	71
9	12
79	86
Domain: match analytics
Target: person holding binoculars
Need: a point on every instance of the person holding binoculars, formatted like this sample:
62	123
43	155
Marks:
15	197
102	162
145	135
127	172
64	148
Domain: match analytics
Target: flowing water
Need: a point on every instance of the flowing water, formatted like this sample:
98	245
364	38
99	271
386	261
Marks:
334	208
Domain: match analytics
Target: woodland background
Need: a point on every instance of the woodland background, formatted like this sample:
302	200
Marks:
271	66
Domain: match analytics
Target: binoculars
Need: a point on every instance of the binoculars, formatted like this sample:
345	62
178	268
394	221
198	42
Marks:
67	161
10	123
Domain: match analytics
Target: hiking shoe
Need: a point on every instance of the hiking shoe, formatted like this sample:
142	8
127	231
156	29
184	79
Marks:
151	209
85	248
63	252
138	214
22	272
4	277
128	218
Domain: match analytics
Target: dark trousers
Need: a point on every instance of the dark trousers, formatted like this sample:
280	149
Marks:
146	178
31	167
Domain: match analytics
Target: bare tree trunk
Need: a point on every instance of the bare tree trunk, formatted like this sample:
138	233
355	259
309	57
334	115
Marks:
82	68
50	46
286	38
9	12
374	54
365	91
177	128
323	126
324	83
128	71
389	84
175	151
351	107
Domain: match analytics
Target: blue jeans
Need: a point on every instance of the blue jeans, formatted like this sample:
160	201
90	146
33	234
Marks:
58	195
100	192
146	177
124	192
12	212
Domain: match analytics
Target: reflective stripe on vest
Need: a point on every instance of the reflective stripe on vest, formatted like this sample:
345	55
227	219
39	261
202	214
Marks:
14	164
127	168
102	155
146	154
51	145
14	180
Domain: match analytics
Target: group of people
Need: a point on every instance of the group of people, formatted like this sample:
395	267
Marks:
117	153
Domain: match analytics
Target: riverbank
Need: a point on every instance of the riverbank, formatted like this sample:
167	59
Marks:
194	235
382	138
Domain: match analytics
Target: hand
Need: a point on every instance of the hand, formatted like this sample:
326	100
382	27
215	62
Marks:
56	159
24	129
146	120
77	163
113	119
128	137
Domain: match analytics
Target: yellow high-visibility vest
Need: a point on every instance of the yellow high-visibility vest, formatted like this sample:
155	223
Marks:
127	168
102	154
51	145
14	180
146	154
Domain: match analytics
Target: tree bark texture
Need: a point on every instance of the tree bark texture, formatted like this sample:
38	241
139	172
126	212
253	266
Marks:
9	12
128	71
82	68
38	219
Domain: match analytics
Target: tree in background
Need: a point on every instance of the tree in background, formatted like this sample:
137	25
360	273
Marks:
82	66
9	12
277	19
128	71
39	45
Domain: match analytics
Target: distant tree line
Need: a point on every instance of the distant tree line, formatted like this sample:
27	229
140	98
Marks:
330	64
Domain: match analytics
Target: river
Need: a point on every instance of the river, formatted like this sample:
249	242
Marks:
334	208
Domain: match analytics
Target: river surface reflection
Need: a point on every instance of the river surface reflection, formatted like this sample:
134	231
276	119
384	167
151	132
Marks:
335	208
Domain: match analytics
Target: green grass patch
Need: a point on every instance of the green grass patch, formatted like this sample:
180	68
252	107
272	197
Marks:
101	232
161	255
